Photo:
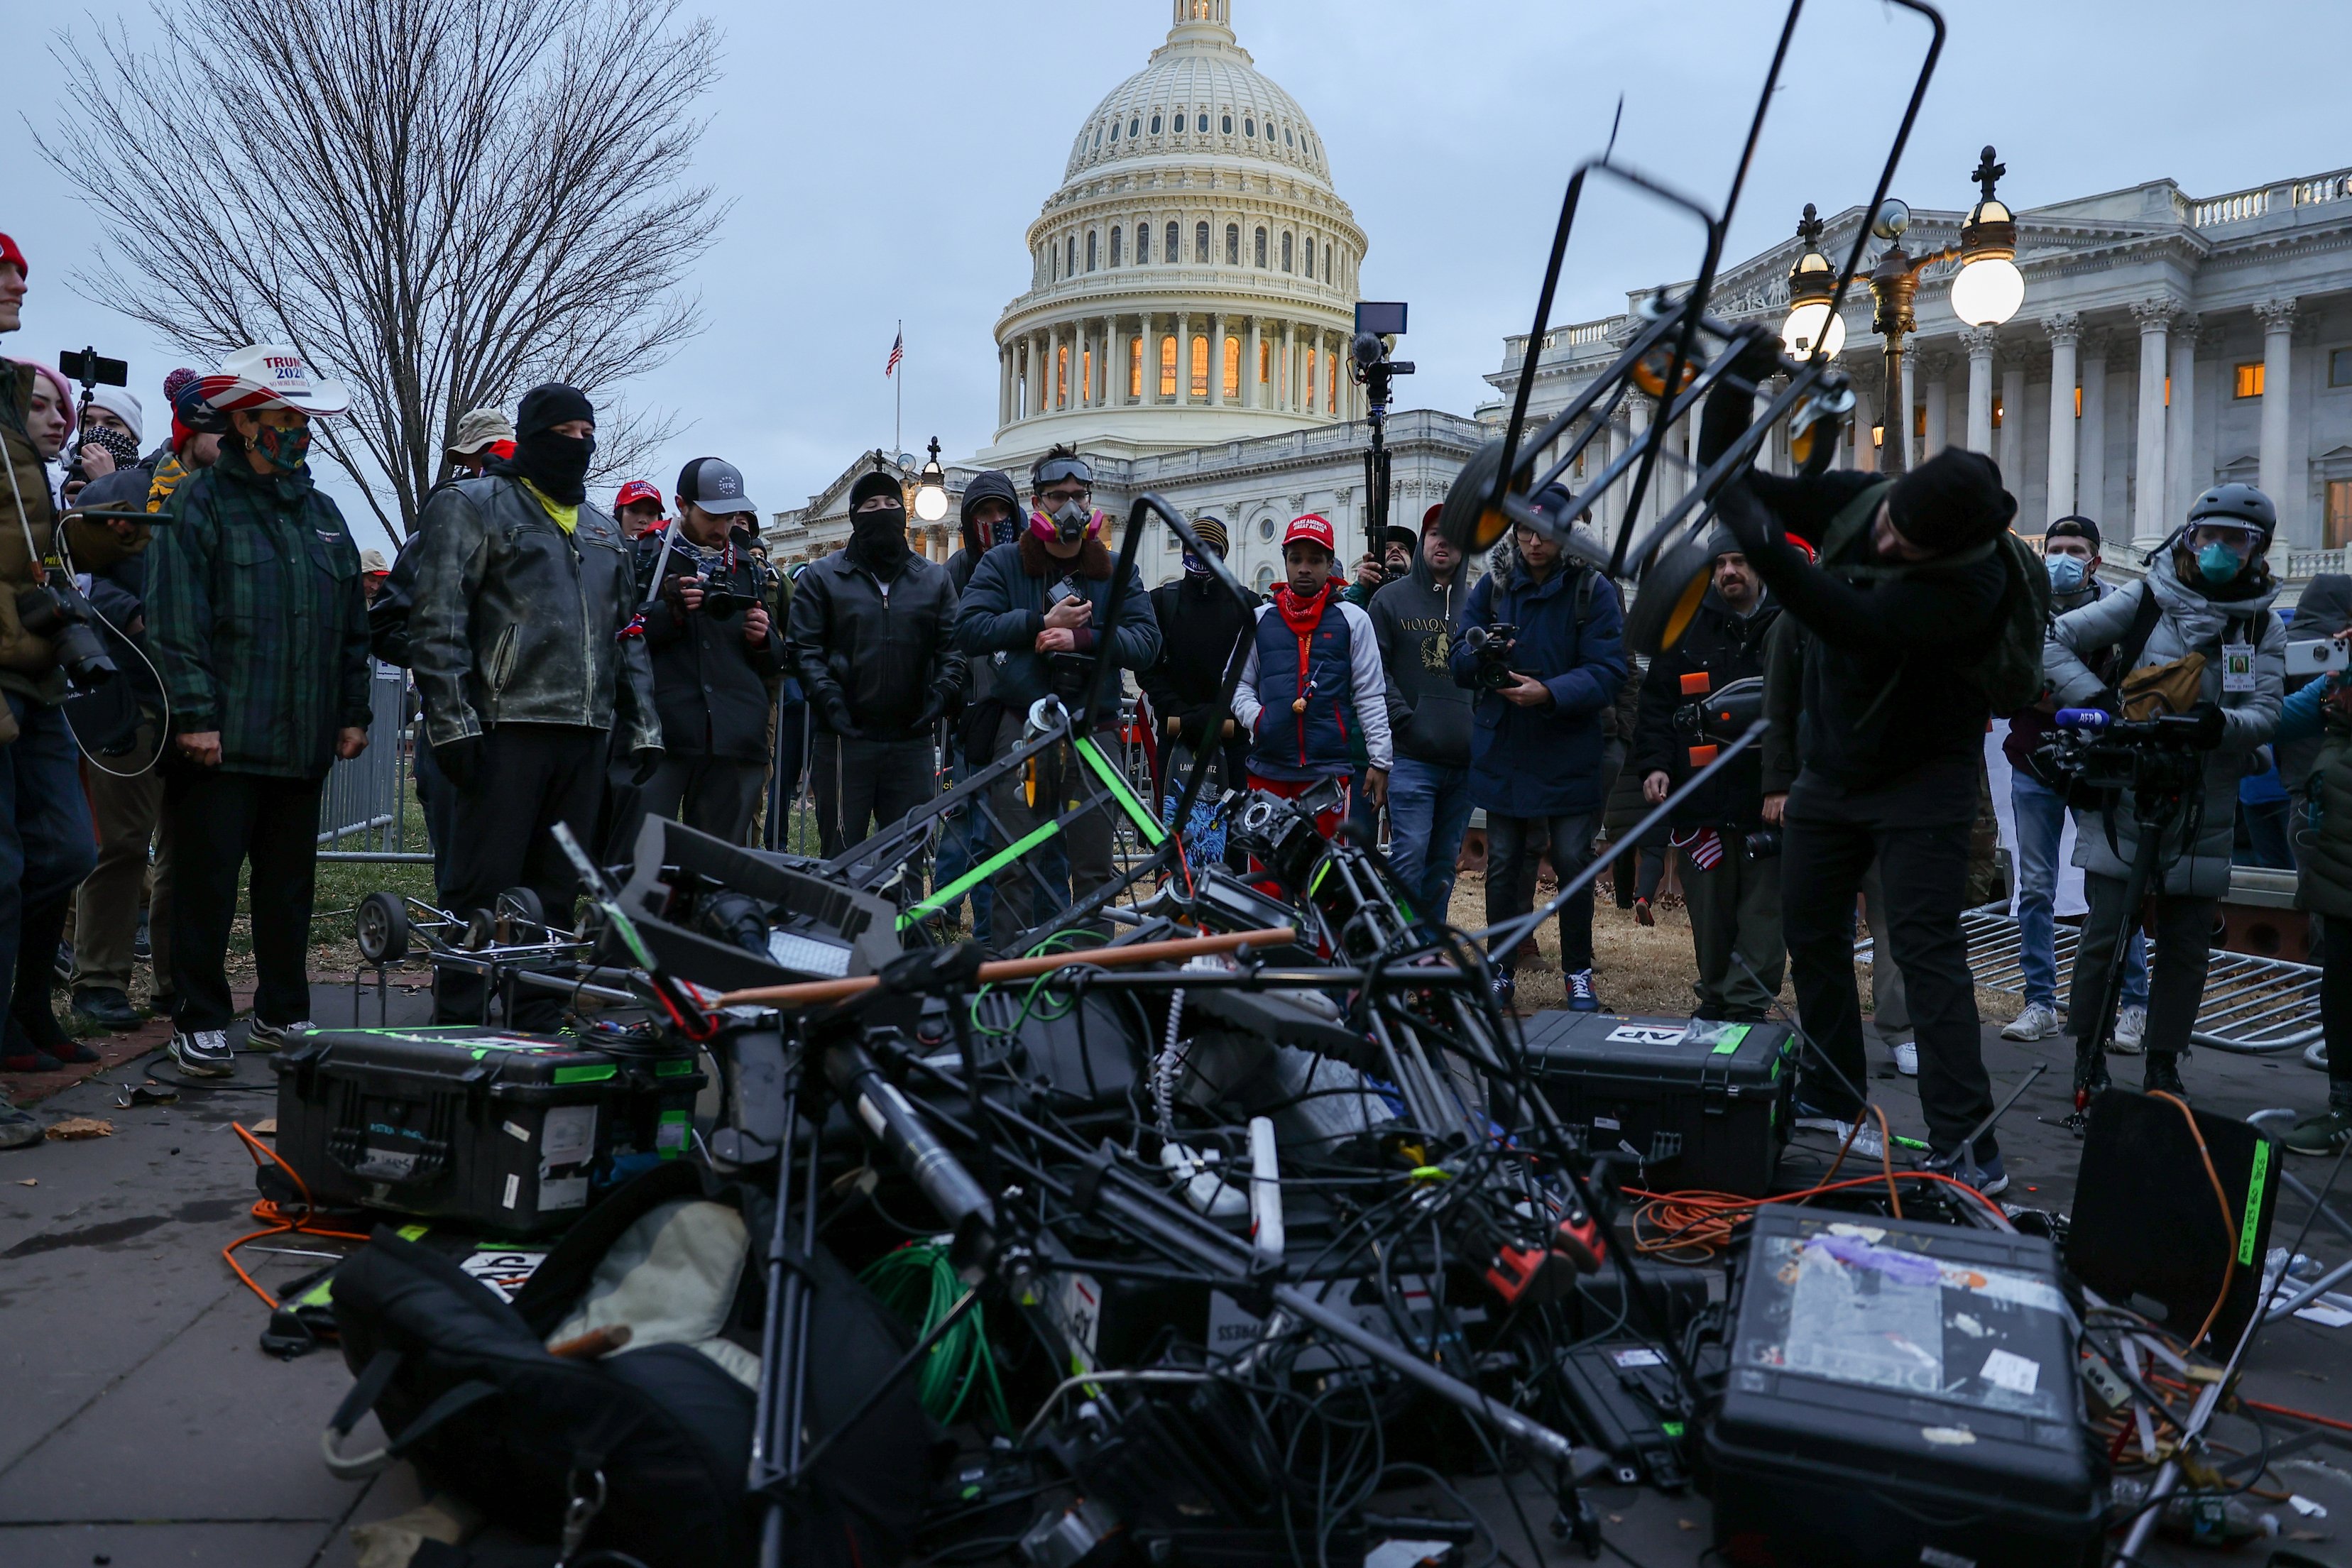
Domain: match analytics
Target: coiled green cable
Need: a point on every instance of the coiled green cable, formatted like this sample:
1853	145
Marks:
918	1284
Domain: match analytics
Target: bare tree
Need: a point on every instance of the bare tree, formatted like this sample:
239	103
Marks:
442	201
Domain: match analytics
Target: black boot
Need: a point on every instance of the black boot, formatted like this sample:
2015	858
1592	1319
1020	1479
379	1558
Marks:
2163	1075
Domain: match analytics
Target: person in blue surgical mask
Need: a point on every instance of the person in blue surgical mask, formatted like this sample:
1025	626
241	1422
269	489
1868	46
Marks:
2070	550
2208	593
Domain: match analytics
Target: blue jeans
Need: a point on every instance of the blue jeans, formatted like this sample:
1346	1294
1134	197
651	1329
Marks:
46	843
963	844
1429	809
2041	817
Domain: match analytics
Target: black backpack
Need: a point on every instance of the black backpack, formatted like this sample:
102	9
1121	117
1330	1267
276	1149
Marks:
466	1389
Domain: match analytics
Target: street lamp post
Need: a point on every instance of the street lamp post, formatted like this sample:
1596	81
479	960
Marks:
930	489
1987	292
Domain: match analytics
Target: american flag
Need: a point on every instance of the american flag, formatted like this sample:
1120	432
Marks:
1702	846
898	352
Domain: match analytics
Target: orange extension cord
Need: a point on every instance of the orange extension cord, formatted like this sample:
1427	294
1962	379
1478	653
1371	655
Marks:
275	1216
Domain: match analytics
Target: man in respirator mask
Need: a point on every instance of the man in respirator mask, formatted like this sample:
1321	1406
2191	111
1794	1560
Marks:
873	639
1034	611
2207	596
524	648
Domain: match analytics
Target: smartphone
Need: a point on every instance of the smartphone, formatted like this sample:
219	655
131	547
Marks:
2317	657
1066	588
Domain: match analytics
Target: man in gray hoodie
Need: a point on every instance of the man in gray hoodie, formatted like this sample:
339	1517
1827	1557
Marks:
1416	619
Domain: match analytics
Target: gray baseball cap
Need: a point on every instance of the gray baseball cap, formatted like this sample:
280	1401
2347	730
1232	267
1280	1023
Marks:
715	485
477	428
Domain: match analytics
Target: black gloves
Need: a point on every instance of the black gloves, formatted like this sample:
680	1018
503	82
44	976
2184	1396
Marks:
648	759
460	761
943	697
834	708
1750	522
1203	725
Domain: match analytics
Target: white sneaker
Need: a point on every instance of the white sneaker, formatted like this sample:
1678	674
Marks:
2131	1024
1907	1059
275	1036
2038	1022
203	1053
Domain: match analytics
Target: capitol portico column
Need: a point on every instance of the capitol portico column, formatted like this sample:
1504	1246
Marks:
2181	483
1286	380
1250	397
1864	458
1216	359
1637	420
2065	329
2012	435
1185	357
2277	317
1979	342
1931	369
2150	522
2091	431
1911	459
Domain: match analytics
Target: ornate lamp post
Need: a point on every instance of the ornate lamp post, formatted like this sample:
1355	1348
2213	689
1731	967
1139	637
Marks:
931	489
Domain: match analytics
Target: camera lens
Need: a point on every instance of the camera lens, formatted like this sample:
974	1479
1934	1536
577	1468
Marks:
721	602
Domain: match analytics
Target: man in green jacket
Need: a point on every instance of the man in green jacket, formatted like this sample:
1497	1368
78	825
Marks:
259	622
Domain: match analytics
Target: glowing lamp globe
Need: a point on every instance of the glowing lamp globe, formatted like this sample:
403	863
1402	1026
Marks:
1987	292
1810	326
930	503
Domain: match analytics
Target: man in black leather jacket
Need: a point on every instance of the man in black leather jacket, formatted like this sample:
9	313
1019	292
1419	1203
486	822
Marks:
713	672
873	636
523	592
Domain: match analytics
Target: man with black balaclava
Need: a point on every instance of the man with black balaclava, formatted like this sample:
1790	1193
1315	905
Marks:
1200	625
1902	609
1036	609
523	593
873	636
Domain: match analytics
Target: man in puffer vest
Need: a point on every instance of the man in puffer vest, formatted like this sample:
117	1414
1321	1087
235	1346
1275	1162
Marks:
1312	680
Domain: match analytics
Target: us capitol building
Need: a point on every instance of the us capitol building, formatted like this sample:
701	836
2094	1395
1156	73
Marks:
1191	284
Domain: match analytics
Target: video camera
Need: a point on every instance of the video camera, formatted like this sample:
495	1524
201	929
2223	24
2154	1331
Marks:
57	610
1491	645
2096	754
92	370
1716	719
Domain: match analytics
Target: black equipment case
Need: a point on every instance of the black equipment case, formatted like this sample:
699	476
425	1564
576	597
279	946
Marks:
1901	1392
1703	1105
485	1126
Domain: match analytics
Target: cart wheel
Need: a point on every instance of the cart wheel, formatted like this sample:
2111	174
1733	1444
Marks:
382	921
481	930
520	906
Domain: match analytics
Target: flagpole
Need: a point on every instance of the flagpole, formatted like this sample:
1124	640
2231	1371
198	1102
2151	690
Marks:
898	425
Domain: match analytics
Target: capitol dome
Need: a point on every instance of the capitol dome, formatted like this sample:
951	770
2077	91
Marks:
1193	279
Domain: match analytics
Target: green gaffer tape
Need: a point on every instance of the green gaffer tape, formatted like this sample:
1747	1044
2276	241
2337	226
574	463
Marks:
1145	822
2256	1181
978	874
591	1074
678	1068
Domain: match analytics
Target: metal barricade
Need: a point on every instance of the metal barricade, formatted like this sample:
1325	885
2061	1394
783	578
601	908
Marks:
366	807
2252	1005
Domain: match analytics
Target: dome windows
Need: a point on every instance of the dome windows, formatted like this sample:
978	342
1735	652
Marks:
1233	245
1135	127
1155	125
1249	126
1287	140
1142	244
1097	138
1285	252
1114	243
1071	268
1114	131
1173	251
1090	250
1261	246
1229	125
1200	244
1204	127
1310	257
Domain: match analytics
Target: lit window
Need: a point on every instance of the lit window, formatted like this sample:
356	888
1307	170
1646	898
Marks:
1232	367
1090	250
1261	247
1199	365
1085	374
1155	125
1233	245
1173	251
2249	381
1265	362
1167	365
1229	125
1142	244
1286	253
2339	513
1310	378
2339	368
1332	381
2078	402
2167	391
1996	416
1204	127
1135	368
1062	376
1201	242
1114	244
1249	126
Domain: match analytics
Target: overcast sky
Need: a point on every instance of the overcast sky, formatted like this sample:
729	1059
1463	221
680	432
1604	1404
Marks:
885	160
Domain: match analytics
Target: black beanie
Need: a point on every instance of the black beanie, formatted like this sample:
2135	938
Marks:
545	407
876	483
1951	501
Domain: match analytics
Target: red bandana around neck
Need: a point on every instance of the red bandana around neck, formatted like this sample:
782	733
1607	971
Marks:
1301	614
